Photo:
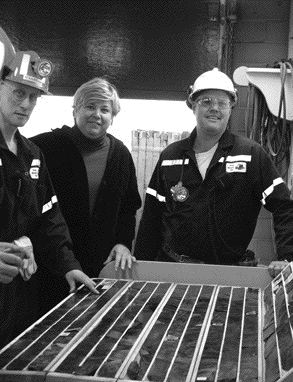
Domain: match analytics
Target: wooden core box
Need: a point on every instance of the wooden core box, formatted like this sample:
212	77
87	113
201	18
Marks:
163	322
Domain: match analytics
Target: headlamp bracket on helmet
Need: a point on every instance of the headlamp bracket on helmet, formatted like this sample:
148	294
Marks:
43	67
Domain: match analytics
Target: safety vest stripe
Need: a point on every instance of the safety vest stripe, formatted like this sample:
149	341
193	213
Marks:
49	205
0	162
270	189
154	193
236	158
174	162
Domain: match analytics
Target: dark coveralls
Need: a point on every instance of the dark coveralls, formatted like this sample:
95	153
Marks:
216	222
28	207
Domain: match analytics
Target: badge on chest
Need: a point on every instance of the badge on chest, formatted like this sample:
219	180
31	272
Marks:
236	167
179	192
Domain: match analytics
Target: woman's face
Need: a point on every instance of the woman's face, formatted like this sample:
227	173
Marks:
94	117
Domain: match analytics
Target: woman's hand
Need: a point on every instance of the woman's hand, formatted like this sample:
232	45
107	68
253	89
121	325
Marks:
122	257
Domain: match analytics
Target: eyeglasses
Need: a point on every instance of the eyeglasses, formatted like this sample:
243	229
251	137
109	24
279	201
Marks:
19	94
209	102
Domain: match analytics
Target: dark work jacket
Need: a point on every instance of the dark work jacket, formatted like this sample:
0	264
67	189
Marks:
216	222
29	207
113	218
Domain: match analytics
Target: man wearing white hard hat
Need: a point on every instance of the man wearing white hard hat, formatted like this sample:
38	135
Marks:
32	229
205	194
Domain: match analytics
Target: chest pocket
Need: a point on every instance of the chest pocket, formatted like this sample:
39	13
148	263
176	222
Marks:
31	194
171	176
174	169
1	195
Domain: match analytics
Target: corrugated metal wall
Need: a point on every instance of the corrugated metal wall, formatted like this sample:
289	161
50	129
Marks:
146	149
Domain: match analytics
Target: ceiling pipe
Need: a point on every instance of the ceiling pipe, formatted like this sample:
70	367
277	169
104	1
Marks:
290	55
227	19
222	34
290	37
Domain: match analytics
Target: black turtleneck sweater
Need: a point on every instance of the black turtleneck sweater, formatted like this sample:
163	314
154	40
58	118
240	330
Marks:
94	153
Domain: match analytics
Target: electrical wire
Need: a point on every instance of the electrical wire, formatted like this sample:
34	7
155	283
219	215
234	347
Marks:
273	133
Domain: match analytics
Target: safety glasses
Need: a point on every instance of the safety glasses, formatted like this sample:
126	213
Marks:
20	94
209	102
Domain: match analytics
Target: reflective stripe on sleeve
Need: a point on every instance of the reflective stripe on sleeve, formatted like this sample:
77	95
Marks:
0	162
155	194
49	205
270	189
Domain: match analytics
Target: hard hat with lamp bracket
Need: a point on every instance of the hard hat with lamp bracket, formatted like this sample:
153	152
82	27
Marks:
24	67
27	68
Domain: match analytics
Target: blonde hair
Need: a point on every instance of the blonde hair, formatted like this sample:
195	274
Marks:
100	89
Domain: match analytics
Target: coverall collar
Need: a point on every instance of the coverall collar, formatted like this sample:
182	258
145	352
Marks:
226	141
23	144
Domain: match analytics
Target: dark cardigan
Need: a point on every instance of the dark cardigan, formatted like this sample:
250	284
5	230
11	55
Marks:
113	218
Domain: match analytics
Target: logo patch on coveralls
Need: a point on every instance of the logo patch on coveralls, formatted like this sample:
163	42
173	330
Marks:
35	168
236	167
34	172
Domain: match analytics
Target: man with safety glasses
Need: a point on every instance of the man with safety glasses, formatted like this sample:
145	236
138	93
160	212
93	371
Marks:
32	229
205	194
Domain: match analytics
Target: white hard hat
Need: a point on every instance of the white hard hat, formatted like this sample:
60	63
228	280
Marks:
212	79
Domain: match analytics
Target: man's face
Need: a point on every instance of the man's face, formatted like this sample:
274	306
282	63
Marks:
17	102
212	109
94	117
